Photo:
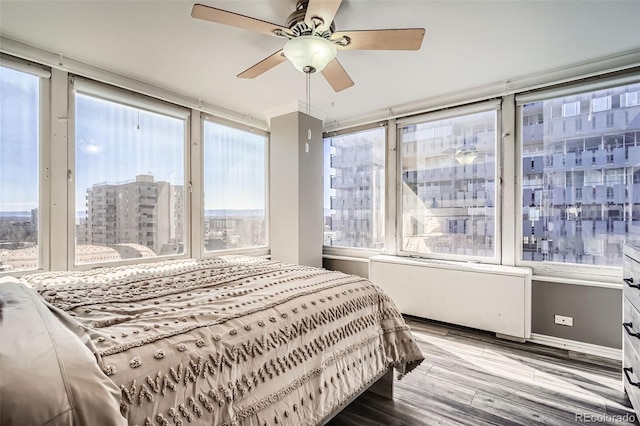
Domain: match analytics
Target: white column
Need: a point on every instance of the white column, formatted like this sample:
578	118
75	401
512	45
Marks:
61	236
295	189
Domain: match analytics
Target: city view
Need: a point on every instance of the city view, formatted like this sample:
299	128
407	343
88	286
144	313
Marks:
147	222
580	168
354	190
580	181
130	197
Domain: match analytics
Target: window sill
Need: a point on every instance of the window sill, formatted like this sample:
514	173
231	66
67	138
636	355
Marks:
577	281
351	253
346	258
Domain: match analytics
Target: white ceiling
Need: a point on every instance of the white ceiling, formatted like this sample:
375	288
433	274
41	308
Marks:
467	44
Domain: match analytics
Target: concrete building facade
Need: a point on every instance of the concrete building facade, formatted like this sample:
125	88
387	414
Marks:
142	211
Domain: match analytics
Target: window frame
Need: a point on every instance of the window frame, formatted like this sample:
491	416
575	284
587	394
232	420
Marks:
443	114
361	252
251	251
44	158
559	270
103	91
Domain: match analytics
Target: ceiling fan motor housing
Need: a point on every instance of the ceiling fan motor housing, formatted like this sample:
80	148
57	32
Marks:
299	27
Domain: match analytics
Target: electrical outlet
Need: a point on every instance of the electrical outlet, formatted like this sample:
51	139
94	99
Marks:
562	320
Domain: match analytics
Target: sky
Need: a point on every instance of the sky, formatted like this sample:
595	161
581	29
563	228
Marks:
115	142
19	106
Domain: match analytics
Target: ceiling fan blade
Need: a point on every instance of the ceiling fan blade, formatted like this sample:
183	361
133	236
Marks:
337	76
400	39
264	65
323	9
220	16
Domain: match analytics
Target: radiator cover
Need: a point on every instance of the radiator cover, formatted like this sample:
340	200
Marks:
487	297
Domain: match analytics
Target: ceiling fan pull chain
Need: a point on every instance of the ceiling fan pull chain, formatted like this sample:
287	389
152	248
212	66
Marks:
308	105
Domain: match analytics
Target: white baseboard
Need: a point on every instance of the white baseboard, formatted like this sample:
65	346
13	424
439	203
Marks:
573	345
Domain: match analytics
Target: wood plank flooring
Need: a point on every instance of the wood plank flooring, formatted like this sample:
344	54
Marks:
470	377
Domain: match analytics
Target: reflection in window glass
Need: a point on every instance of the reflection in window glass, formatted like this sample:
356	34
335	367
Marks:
19	141
448	185
354	189
129	182
585	182
234	188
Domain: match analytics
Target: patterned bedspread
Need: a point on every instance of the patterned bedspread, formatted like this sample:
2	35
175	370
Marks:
233	340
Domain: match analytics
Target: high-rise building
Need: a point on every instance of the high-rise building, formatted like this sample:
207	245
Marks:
140	211
357	206
448	171
580	182
581	176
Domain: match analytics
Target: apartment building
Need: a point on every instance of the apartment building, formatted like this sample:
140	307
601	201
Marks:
142	211
581	176
580	181
357	180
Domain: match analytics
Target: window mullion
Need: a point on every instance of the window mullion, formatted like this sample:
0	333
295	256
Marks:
391	193
60	208
509	187
44	205
196	185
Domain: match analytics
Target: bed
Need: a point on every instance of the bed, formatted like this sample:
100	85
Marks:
217	341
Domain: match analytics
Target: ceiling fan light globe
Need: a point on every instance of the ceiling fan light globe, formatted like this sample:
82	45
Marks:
310	53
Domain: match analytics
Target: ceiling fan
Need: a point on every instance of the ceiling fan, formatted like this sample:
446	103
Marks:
312	40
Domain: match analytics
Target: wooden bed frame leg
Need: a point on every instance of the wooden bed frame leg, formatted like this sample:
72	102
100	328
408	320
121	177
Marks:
384	386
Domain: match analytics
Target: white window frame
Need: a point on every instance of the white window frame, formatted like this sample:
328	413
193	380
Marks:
78	84
251	251
605	99
558	270
360	252
485	106
629	99
44	159
566	110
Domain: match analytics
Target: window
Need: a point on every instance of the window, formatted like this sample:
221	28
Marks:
448	193
129	176
570	109
234	188
588	200
629	99
19	170
354	197
600	103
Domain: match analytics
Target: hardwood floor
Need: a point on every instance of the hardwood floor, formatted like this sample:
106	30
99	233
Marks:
471	377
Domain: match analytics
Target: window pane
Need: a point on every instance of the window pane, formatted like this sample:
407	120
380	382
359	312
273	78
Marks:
234	188
448	185
129	182
354	190
581	186
19	150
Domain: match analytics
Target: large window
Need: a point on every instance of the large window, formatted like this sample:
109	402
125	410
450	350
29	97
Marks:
448	191
19	169
234	188
129	180
581	186
354	196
